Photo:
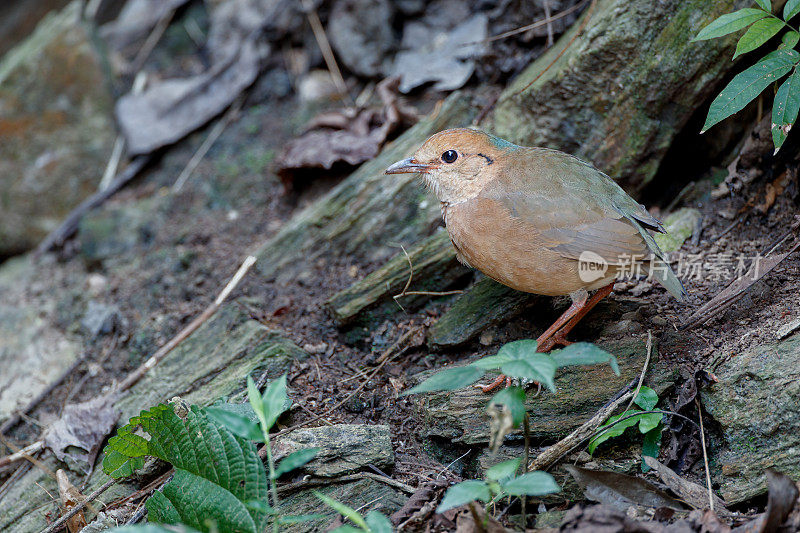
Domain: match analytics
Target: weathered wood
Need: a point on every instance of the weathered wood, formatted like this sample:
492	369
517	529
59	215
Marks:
485	304
435	268
460	416
368	211
623	89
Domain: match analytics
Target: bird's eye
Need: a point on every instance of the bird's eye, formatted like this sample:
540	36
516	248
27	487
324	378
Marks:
450	156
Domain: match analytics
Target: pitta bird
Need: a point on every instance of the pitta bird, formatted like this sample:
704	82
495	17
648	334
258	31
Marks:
539	221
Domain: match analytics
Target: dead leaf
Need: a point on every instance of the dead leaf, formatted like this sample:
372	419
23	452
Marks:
692	493
136	20
76	437
465	522
619	490
442	57
780	502
70	496
350	136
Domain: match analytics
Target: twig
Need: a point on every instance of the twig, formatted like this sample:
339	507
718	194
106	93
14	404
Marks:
546	5
526	426
113	163
705	456
644	370
406	292
209	311
22	453
537	24
399	346
201	152
327	51
55	526
152	40
67	228
580	434
585	21
13	478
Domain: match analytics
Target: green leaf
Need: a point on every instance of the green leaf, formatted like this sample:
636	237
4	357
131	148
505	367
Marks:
791	9
651	444
154	528
785	109
295	460
749	84
449	379
513	398
503	471
344	510
464	492
765	5
612	429
729	23
537	367
378	523
348	529
275	399
648	421
256	402
536	483
217	474
584	353
790	39
237	424
518	349
646	399
759	33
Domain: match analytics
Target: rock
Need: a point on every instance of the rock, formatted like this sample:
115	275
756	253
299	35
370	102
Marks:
435	268
460	416
365	495
343	448
788	328
32	352
483	305
100	319
212	363
679	225
56	128
755	405
361	33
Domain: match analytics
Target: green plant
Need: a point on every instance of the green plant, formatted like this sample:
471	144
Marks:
746	86
517	359
650	425
219	483
374	522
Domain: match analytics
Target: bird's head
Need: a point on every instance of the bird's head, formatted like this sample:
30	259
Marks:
456	164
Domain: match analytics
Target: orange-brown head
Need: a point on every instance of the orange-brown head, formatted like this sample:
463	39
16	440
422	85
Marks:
457	163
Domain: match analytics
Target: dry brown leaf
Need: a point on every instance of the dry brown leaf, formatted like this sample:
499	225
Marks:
692	493
620	490
70	496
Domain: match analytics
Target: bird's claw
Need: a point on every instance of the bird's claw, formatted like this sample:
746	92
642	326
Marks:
500	382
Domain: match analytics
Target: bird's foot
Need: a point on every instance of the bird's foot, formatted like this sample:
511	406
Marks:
558	339
500	382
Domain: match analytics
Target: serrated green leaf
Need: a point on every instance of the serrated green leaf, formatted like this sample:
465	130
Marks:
343	510
237	424
295	460
378	523
757	34
646	399
463	493
154	528
791	9
790	39
765	5
747	85
513	398
651	445
538	367
785	109
275	398
503	471
730	22
449	379
531	484
584	353
215	471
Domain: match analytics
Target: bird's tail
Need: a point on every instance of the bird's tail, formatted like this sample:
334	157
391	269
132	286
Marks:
661	272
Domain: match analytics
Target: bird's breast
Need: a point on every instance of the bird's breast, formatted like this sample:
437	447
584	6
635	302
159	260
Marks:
507	249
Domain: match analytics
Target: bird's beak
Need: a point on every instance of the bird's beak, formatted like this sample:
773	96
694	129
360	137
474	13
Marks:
409	166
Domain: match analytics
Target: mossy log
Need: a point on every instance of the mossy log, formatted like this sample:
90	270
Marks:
460	416
623	89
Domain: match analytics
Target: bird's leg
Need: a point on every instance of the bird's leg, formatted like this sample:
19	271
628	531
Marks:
556	334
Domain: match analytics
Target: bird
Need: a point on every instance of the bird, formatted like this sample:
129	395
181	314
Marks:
540	221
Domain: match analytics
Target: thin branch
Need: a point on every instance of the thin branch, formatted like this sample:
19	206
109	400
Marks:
55	526
705	456
325	48
538	24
